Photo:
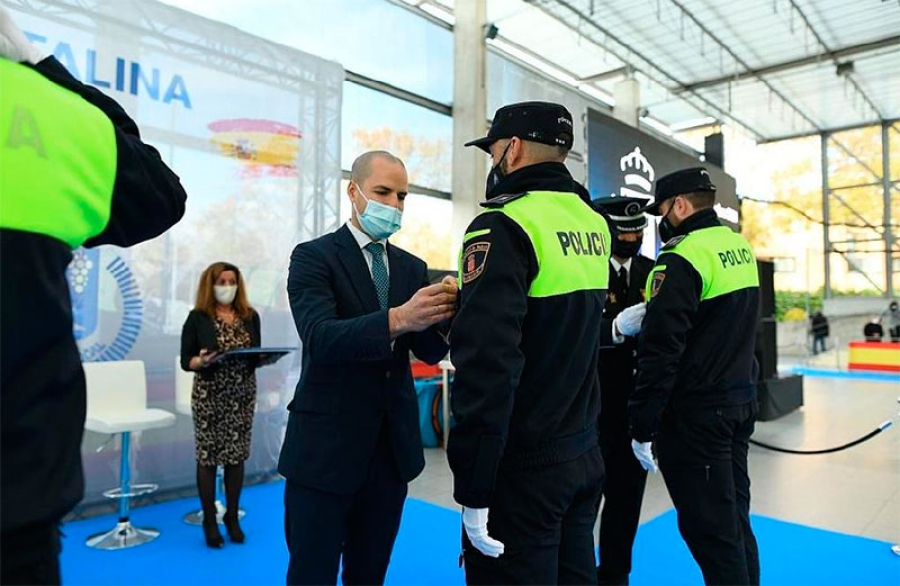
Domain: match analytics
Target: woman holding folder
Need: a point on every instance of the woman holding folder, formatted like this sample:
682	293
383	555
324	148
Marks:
224	394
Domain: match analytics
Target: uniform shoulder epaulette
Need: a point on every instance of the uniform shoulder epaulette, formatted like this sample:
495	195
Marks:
501	200
673	242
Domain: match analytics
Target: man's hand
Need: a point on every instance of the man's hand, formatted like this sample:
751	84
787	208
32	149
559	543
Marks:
628	322
430	305
475	521
643	451
14	45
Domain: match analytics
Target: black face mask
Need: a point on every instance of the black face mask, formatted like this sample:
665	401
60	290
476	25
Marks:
666	229
496	173
626	248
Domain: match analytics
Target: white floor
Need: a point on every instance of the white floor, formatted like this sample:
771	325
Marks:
856	491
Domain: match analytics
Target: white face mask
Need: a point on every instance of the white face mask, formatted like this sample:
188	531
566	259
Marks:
225	293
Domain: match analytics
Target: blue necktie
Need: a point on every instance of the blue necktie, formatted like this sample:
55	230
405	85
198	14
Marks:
379	272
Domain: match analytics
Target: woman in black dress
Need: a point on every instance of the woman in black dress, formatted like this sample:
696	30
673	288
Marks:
224	394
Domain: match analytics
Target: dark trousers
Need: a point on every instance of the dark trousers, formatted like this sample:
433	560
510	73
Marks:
818	342
545	519
623	491
321	528
703	458
30	555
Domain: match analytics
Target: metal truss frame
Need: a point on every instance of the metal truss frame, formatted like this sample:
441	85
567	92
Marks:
317	83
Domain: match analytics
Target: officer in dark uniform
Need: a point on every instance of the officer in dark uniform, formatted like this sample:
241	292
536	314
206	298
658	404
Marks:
73	172
623	489
696	385
533	276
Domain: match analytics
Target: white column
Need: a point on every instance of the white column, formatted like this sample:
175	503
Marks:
469	116
627	94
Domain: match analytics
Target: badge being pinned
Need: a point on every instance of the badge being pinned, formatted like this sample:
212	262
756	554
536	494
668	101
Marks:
658	279
474	258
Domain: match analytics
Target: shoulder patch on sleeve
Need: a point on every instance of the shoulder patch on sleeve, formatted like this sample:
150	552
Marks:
501	200
473	260
673	242
656	284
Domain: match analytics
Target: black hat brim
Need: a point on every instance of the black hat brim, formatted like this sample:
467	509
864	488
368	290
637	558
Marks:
483	143
652	208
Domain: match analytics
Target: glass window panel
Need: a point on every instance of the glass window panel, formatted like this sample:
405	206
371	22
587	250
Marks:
422	138
369	37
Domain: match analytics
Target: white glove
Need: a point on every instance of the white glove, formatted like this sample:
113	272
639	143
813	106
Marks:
628	322
644	453
475	521
14	45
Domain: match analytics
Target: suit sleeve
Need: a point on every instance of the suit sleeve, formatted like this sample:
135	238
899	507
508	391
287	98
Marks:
675	290
328	339
606	332
148	198
429	345
498	264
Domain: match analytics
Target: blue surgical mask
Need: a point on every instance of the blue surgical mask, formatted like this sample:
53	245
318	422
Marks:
378	220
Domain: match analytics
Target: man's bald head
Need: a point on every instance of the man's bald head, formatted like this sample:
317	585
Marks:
362	166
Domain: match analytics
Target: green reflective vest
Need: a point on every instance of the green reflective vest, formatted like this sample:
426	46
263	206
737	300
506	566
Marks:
57	158
722	257
571	241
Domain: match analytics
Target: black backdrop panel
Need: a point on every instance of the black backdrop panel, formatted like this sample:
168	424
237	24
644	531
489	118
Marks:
766	288
766	348
622	160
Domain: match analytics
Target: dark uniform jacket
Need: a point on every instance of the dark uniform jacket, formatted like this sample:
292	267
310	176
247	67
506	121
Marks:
354	380
690	350
526	383
41	381
618	362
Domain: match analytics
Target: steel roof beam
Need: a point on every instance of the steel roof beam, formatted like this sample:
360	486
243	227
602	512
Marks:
584	18
793	64
827	131
822	43
737	59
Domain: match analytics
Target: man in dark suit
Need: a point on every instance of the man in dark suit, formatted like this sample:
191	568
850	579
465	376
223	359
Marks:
623	489
353	441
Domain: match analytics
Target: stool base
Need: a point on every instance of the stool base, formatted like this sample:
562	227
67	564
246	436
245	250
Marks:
123	535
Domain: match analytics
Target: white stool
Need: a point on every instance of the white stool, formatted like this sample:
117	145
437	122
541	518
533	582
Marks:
117	403
184	384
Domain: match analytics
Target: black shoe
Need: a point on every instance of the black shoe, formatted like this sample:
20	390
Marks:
214	539
235	534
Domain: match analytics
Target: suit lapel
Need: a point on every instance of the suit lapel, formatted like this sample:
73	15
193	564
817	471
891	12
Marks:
637	282
397	294
351	258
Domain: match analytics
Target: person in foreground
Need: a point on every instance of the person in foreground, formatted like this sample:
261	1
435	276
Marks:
695	395
353	442
534	270
73	172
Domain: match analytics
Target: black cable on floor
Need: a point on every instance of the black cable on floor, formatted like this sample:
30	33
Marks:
866	437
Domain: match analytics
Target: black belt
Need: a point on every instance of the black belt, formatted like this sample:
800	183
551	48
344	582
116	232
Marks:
555	451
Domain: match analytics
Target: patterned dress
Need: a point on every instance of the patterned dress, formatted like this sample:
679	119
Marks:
223	404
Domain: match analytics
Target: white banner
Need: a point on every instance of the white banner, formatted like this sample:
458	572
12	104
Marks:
253	130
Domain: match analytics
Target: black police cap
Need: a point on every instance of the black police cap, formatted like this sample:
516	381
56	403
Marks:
693	180
625	212
543	122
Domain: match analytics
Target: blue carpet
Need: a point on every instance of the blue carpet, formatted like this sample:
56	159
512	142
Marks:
427	549
848	374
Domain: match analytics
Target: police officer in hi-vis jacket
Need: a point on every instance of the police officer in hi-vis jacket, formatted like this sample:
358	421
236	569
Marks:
695	396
